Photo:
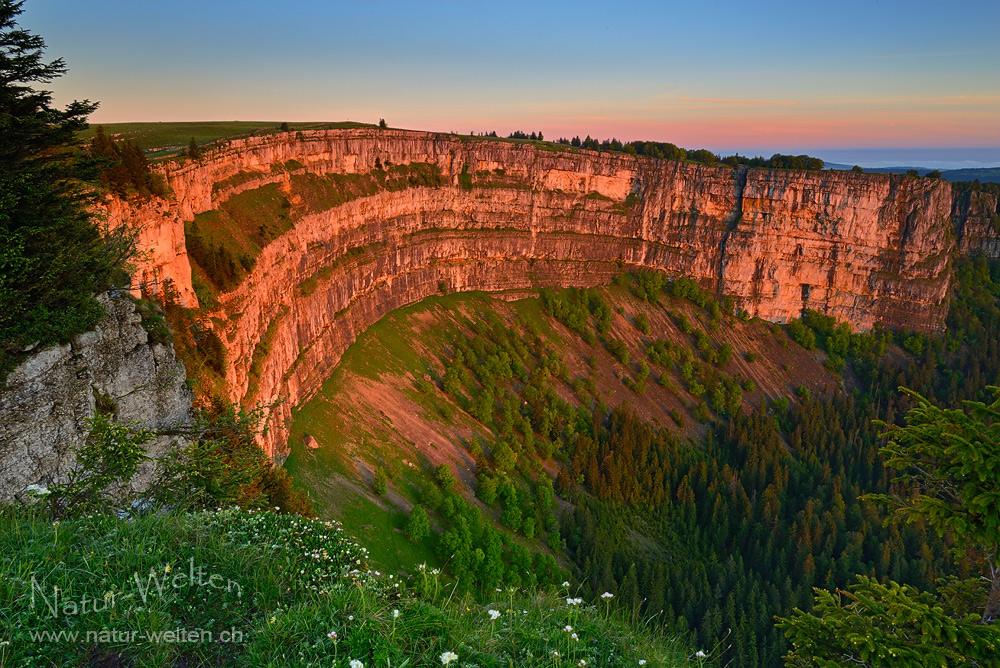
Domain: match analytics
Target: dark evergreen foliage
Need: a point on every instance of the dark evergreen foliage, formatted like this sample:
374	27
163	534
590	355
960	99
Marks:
124	169
717	538
53	259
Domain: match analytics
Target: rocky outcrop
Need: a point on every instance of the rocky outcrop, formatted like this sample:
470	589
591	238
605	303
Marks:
47	400
977	223
861	247
866	248
162	265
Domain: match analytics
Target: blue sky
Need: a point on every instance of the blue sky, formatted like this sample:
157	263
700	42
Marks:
726	75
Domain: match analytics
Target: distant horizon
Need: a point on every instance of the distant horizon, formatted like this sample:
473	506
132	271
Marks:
726	75
930	157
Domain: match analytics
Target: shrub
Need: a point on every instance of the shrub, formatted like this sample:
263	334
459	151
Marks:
802	334
417	525
486	490
618	348
380	484
223	465
105	465
154	322
444	478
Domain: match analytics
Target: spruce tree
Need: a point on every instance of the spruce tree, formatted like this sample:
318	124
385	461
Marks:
52	257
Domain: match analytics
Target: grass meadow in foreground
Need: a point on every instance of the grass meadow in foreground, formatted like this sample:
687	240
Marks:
257	588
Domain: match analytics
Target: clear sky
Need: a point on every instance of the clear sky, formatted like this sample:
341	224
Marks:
753	76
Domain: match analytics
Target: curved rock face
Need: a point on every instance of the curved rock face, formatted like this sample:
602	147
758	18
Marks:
866	248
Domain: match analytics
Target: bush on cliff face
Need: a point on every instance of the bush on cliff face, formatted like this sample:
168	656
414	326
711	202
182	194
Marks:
53	258
220	465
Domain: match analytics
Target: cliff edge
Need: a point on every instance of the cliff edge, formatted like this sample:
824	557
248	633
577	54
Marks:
333	229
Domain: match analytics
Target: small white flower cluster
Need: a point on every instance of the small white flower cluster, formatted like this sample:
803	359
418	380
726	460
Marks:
354	663
39	490
325	558
494	614
607	595
574	601
448	657
700	654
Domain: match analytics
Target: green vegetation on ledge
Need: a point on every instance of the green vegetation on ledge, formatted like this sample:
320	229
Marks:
224	243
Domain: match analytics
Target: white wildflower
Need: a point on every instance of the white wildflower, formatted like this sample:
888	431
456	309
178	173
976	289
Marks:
448	657
581	663
642	662
395	614
354	663
494	614
332	635
607	594
568	628
38	490
700	654
565	584
574	636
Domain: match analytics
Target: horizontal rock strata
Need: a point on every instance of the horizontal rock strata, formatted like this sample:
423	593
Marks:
866	248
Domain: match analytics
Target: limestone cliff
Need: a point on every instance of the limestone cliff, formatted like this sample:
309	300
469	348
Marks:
866	248
977	223
47	399
160	236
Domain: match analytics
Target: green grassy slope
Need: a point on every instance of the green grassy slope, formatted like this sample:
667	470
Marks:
385	404
728	488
